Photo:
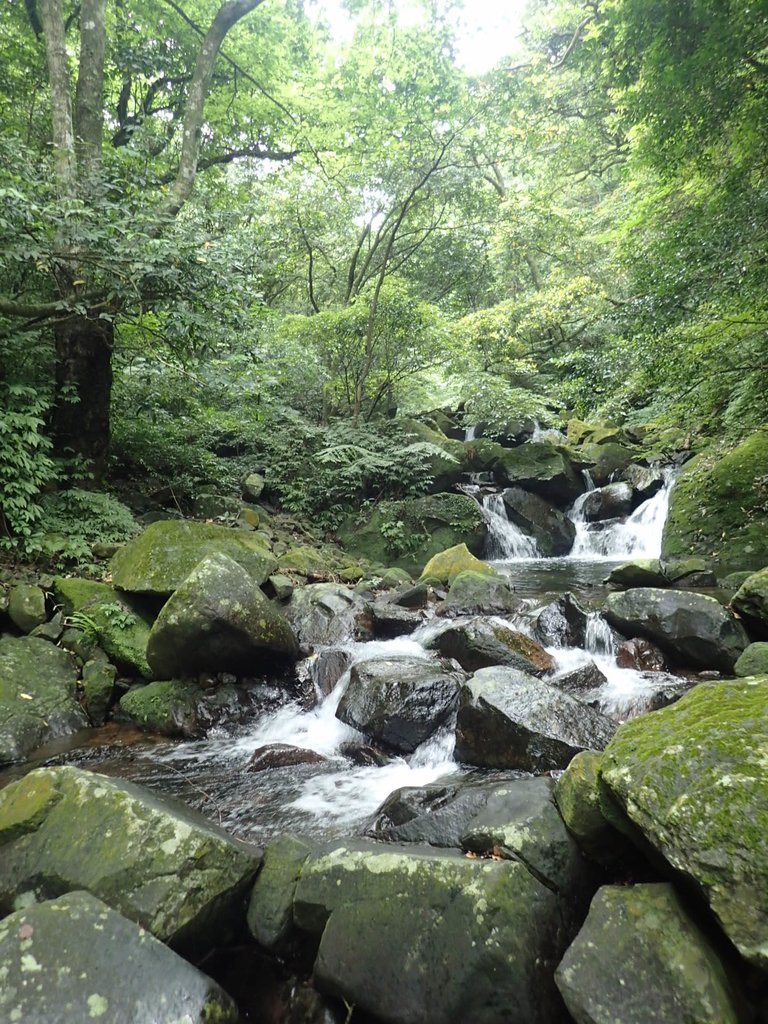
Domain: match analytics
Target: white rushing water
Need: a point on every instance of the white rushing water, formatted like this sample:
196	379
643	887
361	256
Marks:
637	536
506	541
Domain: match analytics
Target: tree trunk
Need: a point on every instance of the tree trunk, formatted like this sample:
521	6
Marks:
83	394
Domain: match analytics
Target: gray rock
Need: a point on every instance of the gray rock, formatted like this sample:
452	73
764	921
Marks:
219	621
26	607
37	696
324	613
642	572
539	467
554	532
270	909
281	755
640	959
562	623
480	644
474	593
158	863
399	701
507	719
75	959
610	502
98	689
754	661
391	620
694	629
582	682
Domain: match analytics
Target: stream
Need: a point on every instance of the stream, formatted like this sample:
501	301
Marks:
335	797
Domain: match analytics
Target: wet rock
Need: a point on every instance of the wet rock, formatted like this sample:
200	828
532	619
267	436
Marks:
51	630
270	909
521	822
577	795
691	779
161	558
26	607
282	586
75	959
583	681
563	623
327	667
437	814
641	572
541	468
474	594
554	532
281	755
480	644
182	708
507	719
157	863
364	755
416	596
608	461
646	481
640	959
411	910
641	655
692	628
219	621
37	696
400	701
689	572
325	613
610	502
306	561
392	620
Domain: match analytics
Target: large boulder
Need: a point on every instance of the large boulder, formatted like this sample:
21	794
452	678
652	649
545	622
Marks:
753	662
162	557
641	572
562	623
693	629
609	502
159	864
37	696
75	959
553	532
324	613
26	607
270	909
608	461
480	643
437	936
539	467
717	508
182	708
691	780
219	620
408	533
446	565
641	959
507	719
577	795
399	701
751	602
474	593
118	623
646	481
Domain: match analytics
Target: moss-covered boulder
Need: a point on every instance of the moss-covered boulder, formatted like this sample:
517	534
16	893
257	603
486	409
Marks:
577	795
642	572
691	779
98	684
751	602
753	662
305	561
508	719
446	565
692	628
718	506
162	557
38	684
479	593
541	468
169	708
270	909
219	620
447	463
413	935
75	959
26	607
641	959
607	461
118	623
157	863
408	533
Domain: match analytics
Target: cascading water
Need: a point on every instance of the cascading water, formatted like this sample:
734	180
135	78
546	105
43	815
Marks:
505	540
638	536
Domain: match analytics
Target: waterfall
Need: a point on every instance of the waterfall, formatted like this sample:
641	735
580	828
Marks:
470	433
638	536
599	638
505	540
551	434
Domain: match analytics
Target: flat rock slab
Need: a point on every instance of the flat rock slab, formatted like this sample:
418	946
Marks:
74	959
640	959
692	779
420	936
37	696
159	864
507	719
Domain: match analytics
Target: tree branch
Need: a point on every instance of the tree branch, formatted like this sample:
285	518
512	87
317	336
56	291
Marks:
255	151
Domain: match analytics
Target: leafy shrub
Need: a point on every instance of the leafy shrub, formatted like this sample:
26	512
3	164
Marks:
71	521
25	462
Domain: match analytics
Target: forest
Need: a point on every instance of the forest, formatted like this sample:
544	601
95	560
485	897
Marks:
384	512
229	240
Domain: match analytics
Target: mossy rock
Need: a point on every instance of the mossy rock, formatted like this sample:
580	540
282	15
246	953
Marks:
478	593
609	460
445	470
118	623
446	565
37	696
691	779
304	560
408	533
751	601
578	800
719	506
159	864
753	662
162	557
642	572
26	607
98	689
542	468
167	707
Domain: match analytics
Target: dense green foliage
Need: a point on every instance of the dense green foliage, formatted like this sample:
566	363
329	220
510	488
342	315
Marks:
374	233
